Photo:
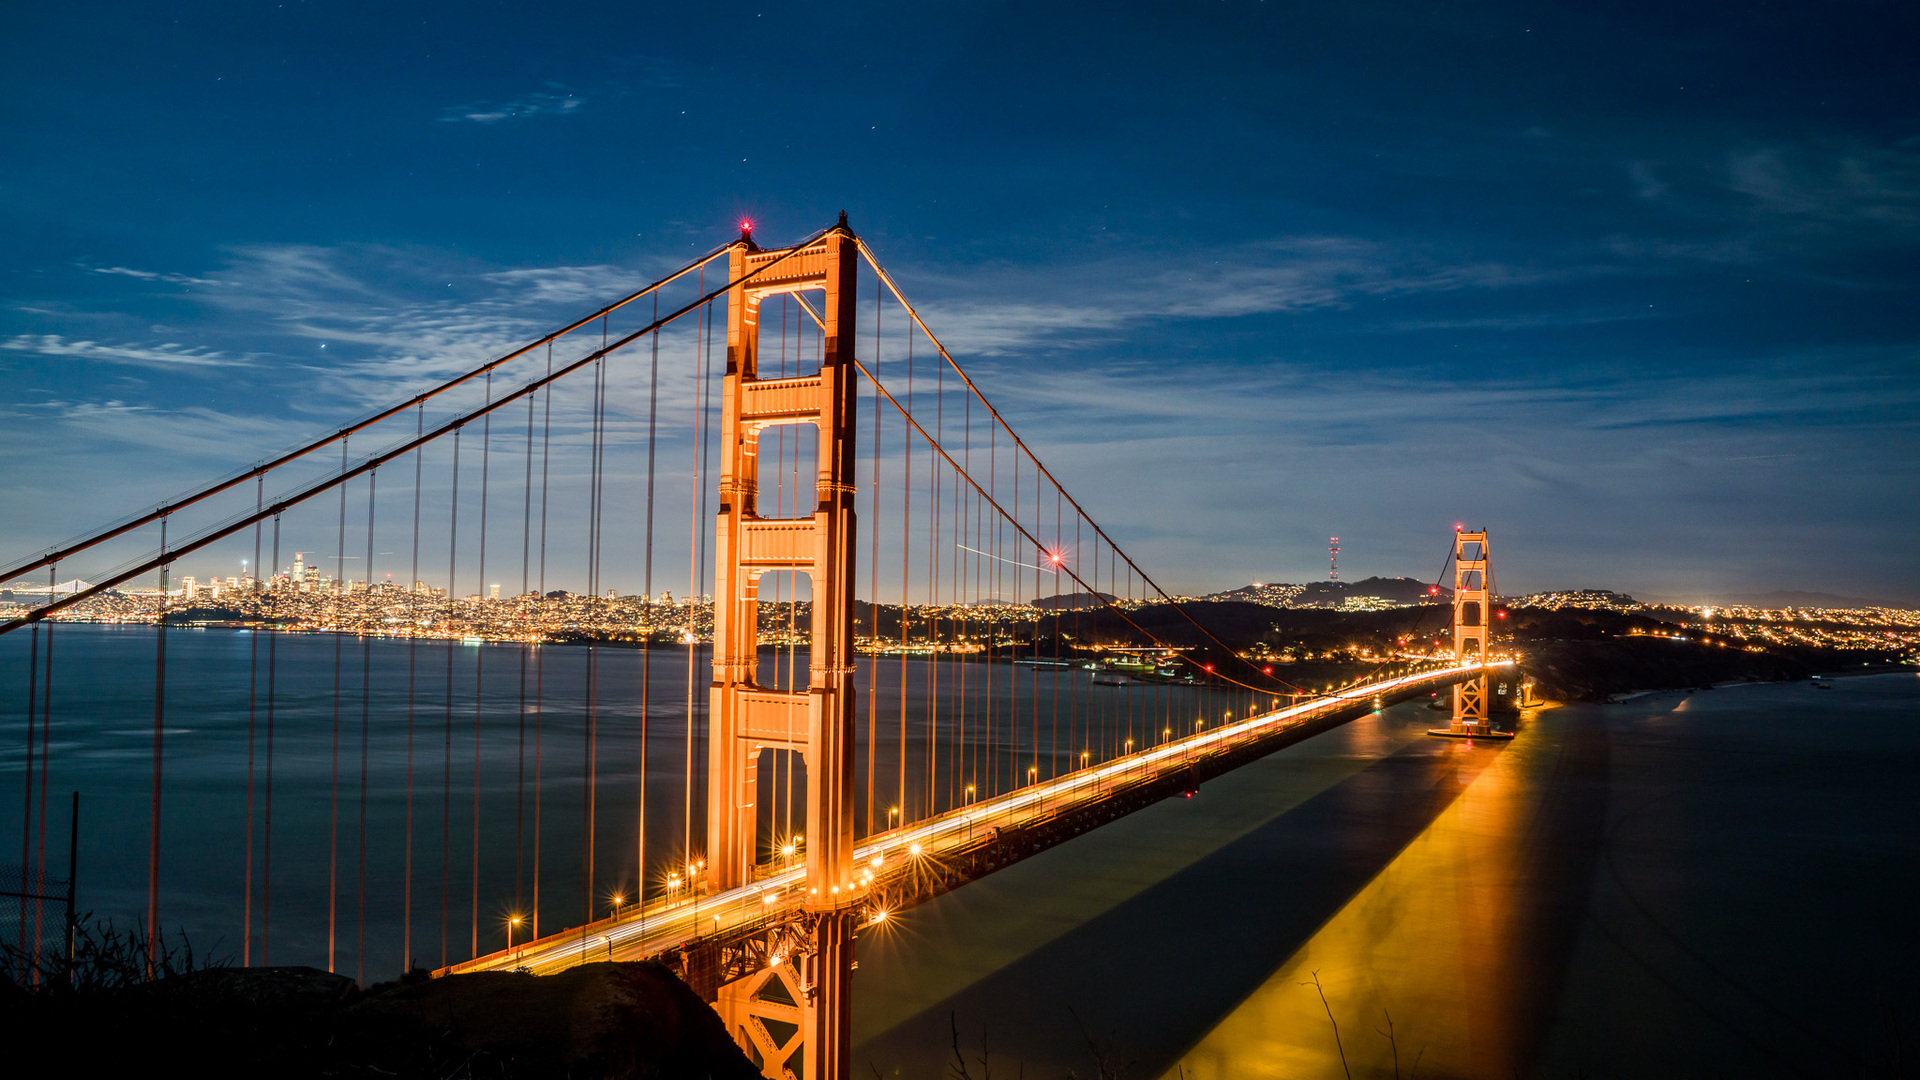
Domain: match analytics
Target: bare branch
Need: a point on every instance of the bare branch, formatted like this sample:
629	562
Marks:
1391	1042
958	1069
1336	1024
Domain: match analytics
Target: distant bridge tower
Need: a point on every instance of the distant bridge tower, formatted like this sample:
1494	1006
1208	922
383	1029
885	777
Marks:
807	985
1472	618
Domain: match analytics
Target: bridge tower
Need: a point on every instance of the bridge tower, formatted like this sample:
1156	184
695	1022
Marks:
1472	626
804	993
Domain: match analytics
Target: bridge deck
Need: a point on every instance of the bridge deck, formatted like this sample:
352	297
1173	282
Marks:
896	864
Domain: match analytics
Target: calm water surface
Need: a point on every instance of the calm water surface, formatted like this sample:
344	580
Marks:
1715	884
486	745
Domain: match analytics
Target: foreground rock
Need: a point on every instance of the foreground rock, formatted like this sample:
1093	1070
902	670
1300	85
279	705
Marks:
609	1021
606	1020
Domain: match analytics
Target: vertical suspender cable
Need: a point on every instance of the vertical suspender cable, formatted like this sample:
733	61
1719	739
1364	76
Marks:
962	513
1052	762
540	658
646	642
1077	735
253	684
873	588
993	609
159	735
793	580
26	812
705	488
586	688
780	813
590	745
1013	673
777	509
1058	555
906	526
479	658
956	666
413	651
446	757
46	738
266	819
334	605
520	714
46	722
33	822
971	774
366	718
933	613
693	582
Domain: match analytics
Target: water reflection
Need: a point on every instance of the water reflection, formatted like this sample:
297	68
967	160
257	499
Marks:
1444	958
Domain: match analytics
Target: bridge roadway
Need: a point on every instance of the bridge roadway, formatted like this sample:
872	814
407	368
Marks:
911	863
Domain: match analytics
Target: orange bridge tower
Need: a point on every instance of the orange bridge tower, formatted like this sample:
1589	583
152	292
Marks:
1472	619
794	1016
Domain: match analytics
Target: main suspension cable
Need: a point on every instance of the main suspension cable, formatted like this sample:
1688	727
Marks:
887	279
325	484
148	517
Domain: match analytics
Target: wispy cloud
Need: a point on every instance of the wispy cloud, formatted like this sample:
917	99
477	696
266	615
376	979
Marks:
202	436
1787	207
163	355
366	325
1223	448
1535	320
1840	389
1875	186
555	100
152	275
564	284
1084	305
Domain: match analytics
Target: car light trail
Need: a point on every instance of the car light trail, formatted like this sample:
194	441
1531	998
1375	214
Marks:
678	922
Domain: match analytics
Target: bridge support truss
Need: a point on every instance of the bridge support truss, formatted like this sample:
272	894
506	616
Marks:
793	1016
1472	619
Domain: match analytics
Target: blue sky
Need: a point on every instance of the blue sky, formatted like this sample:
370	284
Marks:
1631	286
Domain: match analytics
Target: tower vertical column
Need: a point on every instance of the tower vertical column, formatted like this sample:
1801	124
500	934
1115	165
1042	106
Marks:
830	671
731	764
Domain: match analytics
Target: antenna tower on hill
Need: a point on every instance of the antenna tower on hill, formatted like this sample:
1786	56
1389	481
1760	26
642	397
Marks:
1333	558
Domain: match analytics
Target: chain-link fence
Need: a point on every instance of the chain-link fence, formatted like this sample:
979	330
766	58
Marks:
36	925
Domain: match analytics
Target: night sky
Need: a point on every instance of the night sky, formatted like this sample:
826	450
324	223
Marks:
1631	285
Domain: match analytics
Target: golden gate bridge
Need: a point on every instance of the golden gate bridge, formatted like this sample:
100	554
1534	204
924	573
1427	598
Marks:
906	605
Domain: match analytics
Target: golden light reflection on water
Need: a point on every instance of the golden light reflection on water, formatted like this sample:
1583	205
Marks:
1428	944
